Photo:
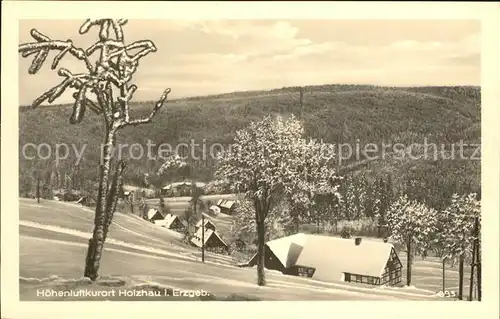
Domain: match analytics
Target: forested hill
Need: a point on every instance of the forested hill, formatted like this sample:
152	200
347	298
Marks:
335	113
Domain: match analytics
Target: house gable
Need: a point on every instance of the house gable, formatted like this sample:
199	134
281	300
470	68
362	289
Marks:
271	261
212	239
174	222
392	273
208	225
154	214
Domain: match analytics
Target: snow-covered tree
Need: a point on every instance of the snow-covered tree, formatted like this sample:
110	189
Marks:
196	202
171	162
244	225
271	160
456	234
104	88
382	194
413	225
349	207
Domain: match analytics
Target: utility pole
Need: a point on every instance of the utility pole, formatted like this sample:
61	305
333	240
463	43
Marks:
202	237
301	101
341	142
444	274
461	278
38	188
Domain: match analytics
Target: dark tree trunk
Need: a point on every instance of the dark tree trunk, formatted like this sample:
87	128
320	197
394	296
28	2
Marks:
301	101
96	243
461	278
261	280
472	267
38	189
478	270
476	255
408	263
444	274
112	199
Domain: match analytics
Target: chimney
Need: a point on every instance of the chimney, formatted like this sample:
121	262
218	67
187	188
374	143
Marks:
357	241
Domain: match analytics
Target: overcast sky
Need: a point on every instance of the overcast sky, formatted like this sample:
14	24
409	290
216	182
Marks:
205	57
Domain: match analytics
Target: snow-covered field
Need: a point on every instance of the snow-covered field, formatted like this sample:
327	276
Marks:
140	256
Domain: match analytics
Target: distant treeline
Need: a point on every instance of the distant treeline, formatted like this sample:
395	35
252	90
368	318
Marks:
335	113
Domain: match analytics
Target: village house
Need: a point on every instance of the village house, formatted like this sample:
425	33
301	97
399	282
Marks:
208	225
214	210
128	195
154	214
179	189
213	242
333	259
172	222
226	206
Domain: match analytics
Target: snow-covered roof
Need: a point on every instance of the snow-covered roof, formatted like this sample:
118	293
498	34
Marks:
170	219
183	184
207	221
284	250
332	256
224	203
208	233
329	254
215	209
152	212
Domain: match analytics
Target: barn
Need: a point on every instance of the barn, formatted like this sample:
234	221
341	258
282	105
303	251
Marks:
213	242
334	259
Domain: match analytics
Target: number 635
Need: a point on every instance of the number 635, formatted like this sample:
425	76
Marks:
447	293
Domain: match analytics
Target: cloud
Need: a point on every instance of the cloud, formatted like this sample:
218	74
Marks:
464	60
205	57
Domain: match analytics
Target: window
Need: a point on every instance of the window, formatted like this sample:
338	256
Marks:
305	271
347	277
361	279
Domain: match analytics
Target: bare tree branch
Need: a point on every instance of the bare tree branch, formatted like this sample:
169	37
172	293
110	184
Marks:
111	44
105	24
147	45
44	45
109	97
88	24
130	92
93	107
148	119
102	101
79	106
117	26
